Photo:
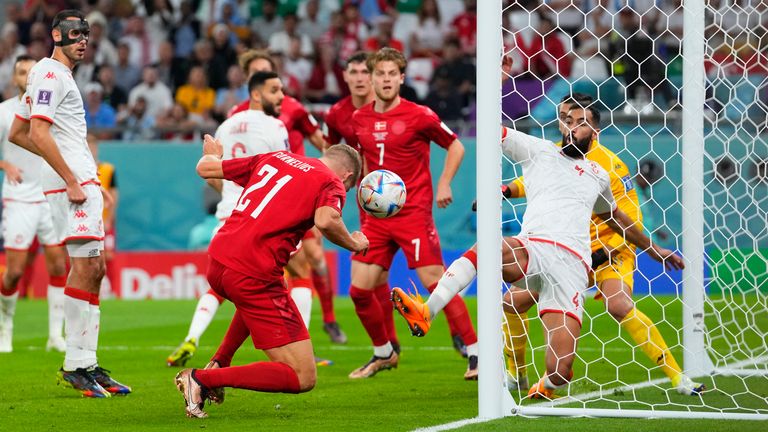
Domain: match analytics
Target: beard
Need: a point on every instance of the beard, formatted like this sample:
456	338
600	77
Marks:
271	109
575	148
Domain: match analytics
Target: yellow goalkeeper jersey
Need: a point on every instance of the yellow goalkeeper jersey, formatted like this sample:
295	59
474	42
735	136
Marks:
624	193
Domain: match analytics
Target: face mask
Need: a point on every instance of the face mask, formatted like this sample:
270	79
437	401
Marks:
81	27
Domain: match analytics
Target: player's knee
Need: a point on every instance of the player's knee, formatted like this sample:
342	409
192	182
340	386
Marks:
360	296
307	379
58	268
619	308
13	275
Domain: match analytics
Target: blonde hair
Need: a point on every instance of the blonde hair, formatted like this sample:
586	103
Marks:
387	54
347	156
249	56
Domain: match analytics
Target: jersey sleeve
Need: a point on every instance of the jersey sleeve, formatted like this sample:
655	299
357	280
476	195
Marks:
605	202
22	110
239	170
305	122
332	195
522	147
46	93
436	130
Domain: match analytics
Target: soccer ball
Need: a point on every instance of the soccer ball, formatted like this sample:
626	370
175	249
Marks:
381	193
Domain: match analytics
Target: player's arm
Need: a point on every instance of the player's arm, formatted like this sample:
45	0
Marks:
318	140
12	172
328	220
40	135
452	162
621	223
19	135
210	165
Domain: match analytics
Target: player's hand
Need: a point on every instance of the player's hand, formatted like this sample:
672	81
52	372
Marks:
361	242
12	173
600	257
671	260
109	202
506	67
212	146
444	195
75	193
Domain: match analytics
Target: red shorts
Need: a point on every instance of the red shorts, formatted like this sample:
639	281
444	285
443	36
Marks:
268	311
415	234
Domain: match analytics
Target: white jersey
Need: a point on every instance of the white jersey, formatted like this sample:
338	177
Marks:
29	189
55	98
247	133
561	192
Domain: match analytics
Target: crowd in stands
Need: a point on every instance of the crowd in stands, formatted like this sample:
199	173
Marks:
163	68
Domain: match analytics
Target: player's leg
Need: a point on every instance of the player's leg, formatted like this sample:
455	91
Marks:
205	310
365	277
321	279
383	294
300	283
15	262
56	264
517	303
561	331
615	281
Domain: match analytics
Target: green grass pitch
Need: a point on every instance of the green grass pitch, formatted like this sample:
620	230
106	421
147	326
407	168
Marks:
426	390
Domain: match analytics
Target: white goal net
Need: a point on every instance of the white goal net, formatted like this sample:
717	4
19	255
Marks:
683	98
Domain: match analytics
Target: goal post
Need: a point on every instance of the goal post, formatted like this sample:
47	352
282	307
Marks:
711	199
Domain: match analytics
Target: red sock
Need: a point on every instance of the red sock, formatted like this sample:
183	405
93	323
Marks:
57	281
369	311
384	295
325	294
270	377
458	318
236	335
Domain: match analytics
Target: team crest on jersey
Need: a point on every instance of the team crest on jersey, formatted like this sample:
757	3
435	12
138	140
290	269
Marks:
628	185
44	97
380	126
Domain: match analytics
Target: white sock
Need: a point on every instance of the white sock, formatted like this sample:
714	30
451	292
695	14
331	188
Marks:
92	333
549	385
76	316
456	278
473	350
383	351
8	308
55	312
303	299
204	313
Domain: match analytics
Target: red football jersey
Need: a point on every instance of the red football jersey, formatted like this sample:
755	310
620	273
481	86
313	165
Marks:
297	119
338	122
398	140
281	192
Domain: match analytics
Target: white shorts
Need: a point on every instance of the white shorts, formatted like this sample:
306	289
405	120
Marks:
23	221
558	274
78	223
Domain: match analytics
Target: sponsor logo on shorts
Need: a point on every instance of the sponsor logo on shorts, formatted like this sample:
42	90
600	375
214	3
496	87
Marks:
80	214
93	253
81	228
44	97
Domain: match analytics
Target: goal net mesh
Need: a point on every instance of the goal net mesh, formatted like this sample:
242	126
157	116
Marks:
627	55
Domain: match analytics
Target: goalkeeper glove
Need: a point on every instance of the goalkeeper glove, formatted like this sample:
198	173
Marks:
599	257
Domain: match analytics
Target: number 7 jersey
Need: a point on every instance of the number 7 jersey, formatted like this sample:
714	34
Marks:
281	192
398	140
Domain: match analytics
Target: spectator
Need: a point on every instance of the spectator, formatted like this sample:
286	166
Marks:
465	27
171	70
326	85
137	124
354	30
155	93
310	23
186	32
10	35
567	14
295	65
280	42
214	67
459	69
428	35
383	37
223	49
176	124
325	8
196	97
39	32
104	50
126	74
112	95
443	99
160	18
268	23
231	95
229	15
97	114
143	48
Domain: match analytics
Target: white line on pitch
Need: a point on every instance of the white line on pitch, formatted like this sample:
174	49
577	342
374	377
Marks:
452	425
